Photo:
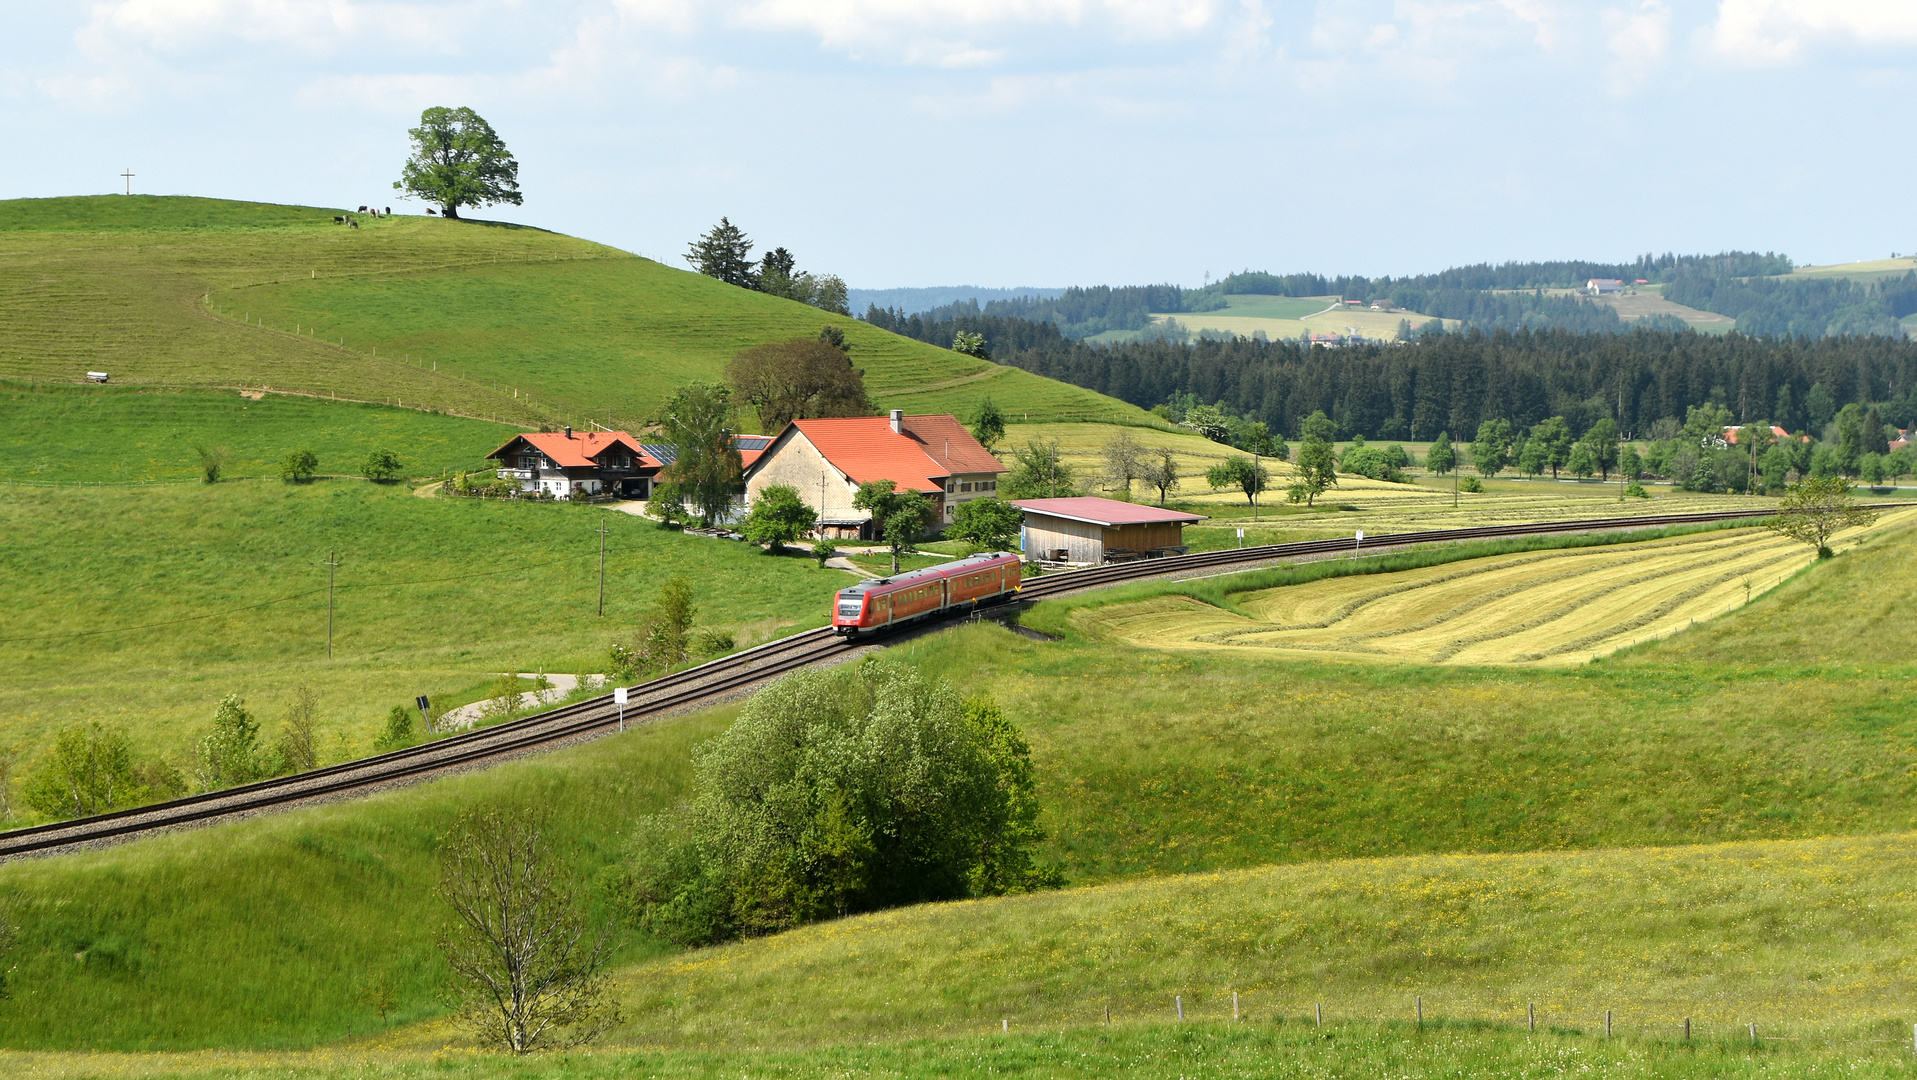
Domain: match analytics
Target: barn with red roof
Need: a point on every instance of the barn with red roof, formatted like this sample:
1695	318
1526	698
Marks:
827	460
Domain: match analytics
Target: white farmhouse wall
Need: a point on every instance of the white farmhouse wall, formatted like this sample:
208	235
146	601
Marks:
798	464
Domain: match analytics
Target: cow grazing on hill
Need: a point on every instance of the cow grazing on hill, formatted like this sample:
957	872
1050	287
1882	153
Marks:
337	220
429	211
362	209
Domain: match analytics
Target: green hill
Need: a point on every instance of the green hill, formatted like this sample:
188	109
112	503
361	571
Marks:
1385	794
479	318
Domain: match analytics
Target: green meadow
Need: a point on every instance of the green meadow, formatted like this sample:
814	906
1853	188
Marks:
117	434
143	607
1291	1046
1675	831
480	318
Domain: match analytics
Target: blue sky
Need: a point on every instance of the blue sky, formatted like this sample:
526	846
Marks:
1009	142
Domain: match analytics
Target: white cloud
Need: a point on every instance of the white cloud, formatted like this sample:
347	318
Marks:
1780	31
955	33
1639	38
305	25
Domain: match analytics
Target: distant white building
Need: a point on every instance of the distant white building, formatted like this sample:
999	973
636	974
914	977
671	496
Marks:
1598	286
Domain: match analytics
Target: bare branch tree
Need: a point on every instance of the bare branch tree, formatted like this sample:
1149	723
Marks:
1124	460
520	940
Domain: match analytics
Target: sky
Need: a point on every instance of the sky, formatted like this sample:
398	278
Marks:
1020	142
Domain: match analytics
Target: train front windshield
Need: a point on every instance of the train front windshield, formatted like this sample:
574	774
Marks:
850	606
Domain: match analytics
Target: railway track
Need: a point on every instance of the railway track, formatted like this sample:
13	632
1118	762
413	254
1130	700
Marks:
706	683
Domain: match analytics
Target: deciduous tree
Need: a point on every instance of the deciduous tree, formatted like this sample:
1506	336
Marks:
297	748
697	421
1491	450
458	160
299	466
1441	458
799	379
230	750
529	967
898	516
779	517
987	524
381	465
1815	509
1161	471
88	771
839	791
1124	459
988	424
1038	472
1317	471
1241	473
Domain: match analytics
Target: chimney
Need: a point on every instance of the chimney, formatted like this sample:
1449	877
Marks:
568	431
898	421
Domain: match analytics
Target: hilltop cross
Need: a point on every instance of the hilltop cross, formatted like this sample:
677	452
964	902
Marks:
129	181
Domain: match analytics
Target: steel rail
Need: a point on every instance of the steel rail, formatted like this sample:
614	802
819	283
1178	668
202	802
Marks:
704	683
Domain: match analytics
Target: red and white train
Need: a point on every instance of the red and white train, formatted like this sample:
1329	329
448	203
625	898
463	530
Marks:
972	582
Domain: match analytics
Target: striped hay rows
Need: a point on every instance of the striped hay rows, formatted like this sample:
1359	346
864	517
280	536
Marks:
1548	607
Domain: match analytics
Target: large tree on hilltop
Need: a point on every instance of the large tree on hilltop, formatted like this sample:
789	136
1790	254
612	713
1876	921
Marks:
458	160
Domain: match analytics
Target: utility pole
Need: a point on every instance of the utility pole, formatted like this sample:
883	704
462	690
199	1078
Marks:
331	564
129	181
602	567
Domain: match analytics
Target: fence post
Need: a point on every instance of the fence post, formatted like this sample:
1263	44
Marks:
1179	1000
1532	1010
1753	1033
1607	1023
1234	1004
1687	1029
1004	1025
1319	1007
1420	1012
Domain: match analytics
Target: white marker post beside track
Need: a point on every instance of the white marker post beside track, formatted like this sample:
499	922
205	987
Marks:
619	699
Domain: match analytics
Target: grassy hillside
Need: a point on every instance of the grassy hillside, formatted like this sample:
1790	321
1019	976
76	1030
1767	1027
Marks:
265	933
1807	938
1289	1046
1152	765
116	434
143	607
478	318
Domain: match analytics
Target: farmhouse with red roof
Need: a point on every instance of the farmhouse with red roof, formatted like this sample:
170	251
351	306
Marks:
827	460
564	463
1084	530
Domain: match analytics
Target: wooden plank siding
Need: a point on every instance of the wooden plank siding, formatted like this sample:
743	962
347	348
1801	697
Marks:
1085	542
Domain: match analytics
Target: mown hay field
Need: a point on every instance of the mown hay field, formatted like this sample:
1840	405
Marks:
1551	607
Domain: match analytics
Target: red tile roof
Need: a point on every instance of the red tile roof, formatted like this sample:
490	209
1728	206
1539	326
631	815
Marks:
578	451
929	449
1107	512
1730	433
